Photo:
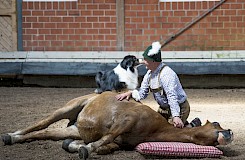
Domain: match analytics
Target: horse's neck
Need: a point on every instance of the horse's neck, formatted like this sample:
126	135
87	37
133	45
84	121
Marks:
173	134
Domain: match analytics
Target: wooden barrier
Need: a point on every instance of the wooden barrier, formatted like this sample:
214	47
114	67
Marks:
89	63
8	25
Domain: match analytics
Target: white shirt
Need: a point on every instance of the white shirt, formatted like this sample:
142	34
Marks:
171	85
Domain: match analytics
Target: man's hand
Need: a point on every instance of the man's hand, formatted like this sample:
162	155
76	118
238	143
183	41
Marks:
178	122
122	96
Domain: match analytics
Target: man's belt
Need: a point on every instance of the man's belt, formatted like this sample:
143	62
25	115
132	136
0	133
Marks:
156	90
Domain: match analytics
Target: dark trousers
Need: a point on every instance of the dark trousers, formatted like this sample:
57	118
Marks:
184	112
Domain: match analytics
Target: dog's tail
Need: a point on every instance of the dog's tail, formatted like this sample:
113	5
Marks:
98	80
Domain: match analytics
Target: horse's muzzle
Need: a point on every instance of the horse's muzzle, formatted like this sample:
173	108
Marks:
225	137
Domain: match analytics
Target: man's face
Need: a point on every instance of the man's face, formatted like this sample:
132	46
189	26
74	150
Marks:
147	63
150	64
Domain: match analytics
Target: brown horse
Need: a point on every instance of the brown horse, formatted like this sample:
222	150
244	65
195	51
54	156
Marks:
99	123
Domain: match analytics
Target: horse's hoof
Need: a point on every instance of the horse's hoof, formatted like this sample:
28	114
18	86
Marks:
83	153
66	143
7	140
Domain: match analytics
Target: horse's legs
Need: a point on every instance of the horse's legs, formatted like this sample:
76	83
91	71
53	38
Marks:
47	134
104	149
72	146
108	148
122	124
69	111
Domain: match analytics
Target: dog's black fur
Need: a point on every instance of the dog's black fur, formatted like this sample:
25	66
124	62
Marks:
115	79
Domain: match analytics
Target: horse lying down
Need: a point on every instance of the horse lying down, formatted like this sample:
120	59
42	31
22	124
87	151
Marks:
103	125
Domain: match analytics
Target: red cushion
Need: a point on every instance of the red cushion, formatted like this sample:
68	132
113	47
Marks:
178	149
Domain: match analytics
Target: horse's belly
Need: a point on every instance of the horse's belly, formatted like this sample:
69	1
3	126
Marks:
92	127
131	139
97	117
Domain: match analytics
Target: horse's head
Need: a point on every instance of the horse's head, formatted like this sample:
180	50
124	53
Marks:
213	134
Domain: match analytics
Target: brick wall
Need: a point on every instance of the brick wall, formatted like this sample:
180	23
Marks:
83	26
90	25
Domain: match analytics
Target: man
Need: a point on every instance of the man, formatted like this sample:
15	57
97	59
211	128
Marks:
167	90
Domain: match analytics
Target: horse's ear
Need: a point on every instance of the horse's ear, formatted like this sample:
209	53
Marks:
207	122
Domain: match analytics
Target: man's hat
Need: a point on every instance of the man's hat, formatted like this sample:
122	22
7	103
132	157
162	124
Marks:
153	52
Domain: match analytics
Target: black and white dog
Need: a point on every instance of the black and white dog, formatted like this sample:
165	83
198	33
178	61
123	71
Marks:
124	76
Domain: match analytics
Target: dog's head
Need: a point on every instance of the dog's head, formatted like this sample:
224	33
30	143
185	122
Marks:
130	62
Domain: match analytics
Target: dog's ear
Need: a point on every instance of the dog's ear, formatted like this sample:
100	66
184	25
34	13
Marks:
130	63
127	62
124	63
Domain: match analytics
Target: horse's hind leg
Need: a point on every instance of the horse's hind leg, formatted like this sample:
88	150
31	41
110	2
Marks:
122	124
72	146
108	148
69	111
47	134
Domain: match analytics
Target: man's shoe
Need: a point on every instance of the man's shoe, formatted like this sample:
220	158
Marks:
196	122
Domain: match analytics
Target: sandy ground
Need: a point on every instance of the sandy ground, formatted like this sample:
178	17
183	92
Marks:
20	107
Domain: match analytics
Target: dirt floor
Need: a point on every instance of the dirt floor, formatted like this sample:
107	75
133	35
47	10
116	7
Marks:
20	107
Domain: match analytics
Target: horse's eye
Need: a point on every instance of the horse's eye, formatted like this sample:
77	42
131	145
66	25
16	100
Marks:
216	123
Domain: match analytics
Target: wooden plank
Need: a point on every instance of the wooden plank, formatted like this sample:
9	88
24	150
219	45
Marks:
13	55
195	68
120	24
117	56
100	55
86	68
5	25
117	60
4	43
14	27
186	55
5	4
10	68
8	25
5	38
7	12
3	48
65	68
203	54
12	60
19	26
76	60
227	54
121	54
183	60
